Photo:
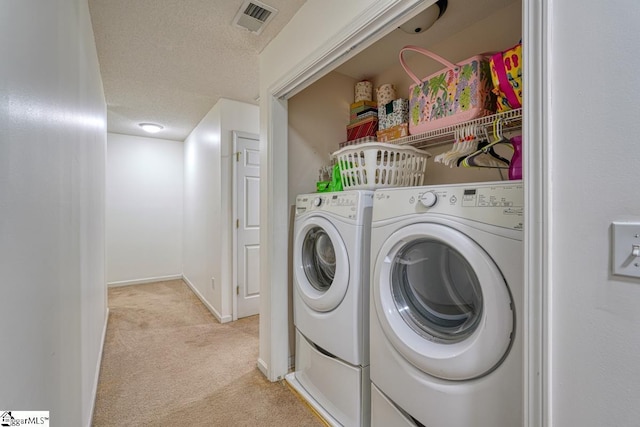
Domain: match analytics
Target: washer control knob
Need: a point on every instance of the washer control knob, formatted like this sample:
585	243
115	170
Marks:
428	199
317	201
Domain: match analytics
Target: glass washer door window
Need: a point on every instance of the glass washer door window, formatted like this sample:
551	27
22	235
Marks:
318	259
436	291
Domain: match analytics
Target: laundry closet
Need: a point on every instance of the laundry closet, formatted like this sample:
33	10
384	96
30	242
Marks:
318	118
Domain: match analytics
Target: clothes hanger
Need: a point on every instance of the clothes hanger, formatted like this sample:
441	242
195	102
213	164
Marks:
440	158
493	160
461	147
465	138
478	160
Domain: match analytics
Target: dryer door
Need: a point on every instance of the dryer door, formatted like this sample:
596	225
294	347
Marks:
442	302
321	264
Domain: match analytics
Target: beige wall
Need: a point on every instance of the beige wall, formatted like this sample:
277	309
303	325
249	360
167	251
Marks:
318	117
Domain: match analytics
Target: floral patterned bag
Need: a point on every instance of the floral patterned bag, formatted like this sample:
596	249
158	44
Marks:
458	93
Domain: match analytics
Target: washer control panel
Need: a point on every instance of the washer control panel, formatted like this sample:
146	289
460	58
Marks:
344	204
496	203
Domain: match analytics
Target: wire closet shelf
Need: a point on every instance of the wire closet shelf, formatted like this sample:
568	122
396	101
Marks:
511	121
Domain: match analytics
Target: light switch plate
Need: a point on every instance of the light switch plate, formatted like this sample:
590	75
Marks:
625	249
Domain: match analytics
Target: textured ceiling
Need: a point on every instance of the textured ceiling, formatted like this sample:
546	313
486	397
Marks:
169	61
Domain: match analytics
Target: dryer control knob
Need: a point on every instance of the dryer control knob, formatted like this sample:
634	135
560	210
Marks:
317	201
428	199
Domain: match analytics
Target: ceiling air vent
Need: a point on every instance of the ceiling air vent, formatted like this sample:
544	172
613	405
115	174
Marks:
254	16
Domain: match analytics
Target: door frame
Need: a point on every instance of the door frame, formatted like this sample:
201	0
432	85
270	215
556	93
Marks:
234	215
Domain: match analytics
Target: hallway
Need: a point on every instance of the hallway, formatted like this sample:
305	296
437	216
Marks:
166	360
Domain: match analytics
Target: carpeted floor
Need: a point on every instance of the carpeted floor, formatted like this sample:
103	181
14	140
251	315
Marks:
167	361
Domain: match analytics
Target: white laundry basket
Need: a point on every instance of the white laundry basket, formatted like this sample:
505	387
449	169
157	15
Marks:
378	165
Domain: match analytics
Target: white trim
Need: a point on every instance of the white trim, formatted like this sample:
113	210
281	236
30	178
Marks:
221	319
365	29
536	122
94	390
234	236
361	32
262	367
143	281
234	213
274	256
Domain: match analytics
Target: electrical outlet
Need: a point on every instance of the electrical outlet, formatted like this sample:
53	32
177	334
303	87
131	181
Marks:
213	283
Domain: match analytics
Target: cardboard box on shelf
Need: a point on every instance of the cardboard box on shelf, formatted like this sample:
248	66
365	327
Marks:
361	117
366	127
360	104
393	133
360	129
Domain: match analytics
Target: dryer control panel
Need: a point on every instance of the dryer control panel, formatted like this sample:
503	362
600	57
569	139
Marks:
347	204
496	203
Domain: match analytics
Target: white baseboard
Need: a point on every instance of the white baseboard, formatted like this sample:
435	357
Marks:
94	391
143	281
221	319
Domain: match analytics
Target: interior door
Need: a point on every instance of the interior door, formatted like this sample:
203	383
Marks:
247	178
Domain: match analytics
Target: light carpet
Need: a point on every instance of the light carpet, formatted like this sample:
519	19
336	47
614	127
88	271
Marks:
167	361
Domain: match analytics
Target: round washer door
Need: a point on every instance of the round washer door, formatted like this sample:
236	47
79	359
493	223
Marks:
321	264
442	302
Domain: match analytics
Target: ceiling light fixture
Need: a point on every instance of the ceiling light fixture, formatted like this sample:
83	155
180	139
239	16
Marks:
424	20
151	127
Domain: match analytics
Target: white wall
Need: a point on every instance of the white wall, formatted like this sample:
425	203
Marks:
145	181
208	206
52	204
594	170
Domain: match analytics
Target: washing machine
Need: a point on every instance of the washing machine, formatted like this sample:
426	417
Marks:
331	304
447	306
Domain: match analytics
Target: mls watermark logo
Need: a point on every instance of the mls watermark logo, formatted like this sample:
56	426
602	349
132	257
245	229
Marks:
24	418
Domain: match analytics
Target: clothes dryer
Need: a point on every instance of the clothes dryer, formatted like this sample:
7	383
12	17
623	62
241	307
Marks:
447	305
331	303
